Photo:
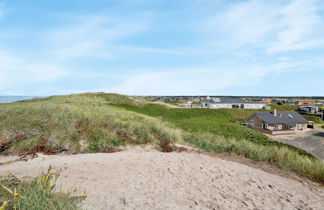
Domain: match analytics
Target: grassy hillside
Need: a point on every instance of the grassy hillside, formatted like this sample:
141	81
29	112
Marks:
77	123
38	193
102	122
284	107
313	118
218	130
221	122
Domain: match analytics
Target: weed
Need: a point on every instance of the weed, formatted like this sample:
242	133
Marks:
37	193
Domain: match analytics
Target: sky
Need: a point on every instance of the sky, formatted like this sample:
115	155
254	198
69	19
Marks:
162	47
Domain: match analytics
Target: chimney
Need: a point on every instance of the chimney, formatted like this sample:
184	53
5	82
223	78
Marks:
275	112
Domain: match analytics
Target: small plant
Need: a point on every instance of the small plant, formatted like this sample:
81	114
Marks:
36	194
166	145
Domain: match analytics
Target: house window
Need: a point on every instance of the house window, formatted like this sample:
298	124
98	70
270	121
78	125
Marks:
264	125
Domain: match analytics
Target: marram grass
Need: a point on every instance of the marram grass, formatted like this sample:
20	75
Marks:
96	122
37	193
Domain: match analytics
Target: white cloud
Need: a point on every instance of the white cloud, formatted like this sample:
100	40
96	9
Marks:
299	20
93	36
269	25
246	23
213	79
18	72
88	37
199	81
178	82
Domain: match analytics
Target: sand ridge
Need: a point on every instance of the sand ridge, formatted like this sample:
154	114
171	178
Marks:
142	178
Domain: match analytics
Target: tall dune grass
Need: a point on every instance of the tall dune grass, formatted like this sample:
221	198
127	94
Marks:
282	156
97	122
78	123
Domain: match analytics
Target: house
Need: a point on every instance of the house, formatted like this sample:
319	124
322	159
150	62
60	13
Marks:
232	103
310	109
268	100
183	100
319	102
284	101
305	102
274	123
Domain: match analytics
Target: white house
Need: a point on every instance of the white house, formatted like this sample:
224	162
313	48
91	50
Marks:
232	103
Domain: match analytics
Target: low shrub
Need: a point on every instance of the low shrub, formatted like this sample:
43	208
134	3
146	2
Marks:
283	156
36	194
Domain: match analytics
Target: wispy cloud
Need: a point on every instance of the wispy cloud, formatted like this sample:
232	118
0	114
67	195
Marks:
19	72
298	22
145	47
270	26
87	37
93	36
203	81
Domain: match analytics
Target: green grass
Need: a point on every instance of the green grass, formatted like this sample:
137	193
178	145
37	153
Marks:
221	122
313	118
172	102
98	122
280	155
219	131
78	123
284	107
37	193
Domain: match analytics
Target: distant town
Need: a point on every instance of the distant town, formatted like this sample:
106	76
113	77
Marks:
290	118
241	102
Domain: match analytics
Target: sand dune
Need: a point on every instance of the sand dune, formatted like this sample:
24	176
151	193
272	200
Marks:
140	178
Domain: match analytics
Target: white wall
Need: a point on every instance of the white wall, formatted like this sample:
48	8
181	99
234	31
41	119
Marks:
220	106
254	106
229	106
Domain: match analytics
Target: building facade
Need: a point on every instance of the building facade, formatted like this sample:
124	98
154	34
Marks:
274	123
232	103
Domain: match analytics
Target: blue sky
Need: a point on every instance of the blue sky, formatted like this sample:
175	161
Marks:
162	47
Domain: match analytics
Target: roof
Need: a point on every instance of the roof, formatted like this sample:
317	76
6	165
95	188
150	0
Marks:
231	101
309	106
284	117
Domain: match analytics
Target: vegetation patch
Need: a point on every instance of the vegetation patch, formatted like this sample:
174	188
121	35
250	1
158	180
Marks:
77	123
35	194
100	122
281	155
219	131
284	107
313	118
220	122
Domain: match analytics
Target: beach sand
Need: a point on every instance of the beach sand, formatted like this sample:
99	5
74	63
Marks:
144	178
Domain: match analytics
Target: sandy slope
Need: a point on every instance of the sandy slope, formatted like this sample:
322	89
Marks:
148	179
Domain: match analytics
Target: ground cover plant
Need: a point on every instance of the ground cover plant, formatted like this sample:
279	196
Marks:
284	107
313	118
98	122
221	122
77	123
35	194
220	131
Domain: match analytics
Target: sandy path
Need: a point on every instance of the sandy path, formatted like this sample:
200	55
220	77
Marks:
147	179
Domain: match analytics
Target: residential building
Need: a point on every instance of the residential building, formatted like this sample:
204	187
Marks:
274	123
232	103
305	102
310	109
